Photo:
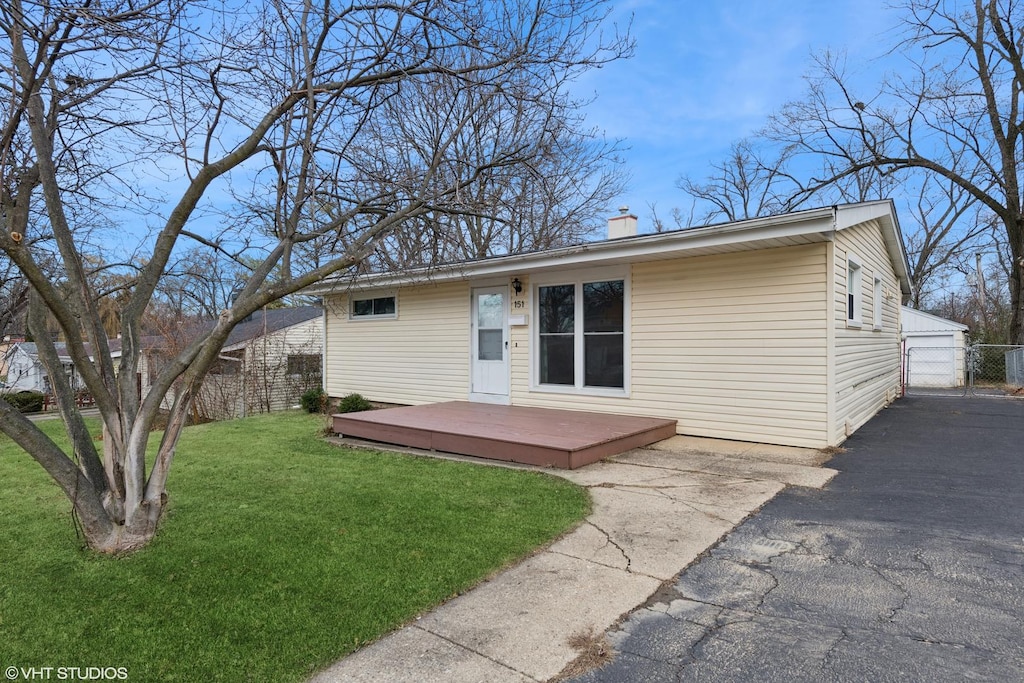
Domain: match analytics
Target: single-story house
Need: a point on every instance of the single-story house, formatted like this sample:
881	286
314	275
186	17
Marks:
266	364
25	371
934	350
783	330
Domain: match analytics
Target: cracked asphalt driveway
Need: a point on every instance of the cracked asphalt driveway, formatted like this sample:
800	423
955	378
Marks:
908	566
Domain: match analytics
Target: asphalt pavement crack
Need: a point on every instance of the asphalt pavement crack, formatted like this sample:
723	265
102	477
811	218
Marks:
722	620
826	663
891	617
919	558
764	569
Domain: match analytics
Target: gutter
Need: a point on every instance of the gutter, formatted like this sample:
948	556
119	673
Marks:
650	246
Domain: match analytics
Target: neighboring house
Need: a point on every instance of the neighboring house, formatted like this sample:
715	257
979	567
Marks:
782	330
6	347
266	364
25	371
934	350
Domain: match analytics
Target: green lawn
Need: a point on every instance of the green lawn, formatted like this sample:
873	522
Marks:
279	554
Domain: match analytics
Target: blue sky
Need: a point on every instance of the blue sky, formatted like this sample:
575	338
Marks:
706	74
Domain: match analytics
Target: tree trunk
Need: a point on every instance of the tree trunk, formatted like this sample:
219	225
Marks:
135	533
1017	300
1015	238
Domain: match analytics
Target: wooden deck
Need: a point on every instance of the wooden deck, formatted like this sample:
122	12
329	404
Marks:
536	436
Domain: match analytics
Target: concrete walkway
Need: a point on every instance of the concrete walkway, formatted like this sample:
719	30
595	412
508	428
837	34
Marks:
655	511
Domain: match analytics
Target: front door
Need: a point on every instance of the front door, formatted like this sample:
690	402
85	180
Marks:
489	373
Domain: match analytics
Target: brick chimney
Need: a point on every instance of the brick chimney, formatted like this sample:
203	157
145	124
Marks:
623	225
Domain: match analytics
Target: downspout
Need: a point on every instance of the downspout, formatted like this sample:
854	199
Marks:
323	345
830	331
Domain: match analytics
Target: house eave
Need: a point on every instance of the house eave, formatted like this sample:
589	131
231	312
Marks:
240	345
883	211
946	323
798	228
801	227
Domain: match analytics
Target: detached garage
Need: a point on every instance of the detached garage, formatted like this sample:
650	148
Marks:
933	350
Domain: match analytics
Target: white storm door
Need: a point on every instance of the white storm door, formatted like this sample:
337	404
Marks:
489	373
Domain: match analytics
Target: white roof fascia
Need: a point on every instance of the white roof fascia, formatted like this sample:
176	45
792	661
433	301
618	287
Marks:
884	211
951	324
817	224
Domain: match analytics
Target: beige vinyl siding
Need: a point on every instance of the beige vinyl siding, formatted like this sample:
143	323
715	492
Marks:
258	381
262	383
867	361
268	384
420	356
732	346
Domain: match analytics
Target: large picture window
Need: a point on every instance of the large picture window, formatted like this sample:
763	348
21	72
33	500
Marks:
581	334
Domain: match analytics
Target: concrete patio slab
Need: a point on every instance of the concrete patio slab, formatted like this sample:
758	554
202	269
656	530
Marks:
760	451
412	655
648	534
655	511
747	466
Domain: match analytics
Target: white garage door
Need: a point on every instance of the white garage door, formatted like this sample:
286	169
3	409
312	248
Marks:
932	361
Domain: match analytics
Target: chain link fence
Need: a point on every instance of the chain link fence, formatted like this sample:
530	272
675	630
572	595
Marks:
984	370
996	370
935	371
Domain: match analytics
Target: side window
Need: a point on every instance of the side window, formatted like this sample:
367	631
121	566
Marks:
877	303
853	293
304	364
603	333
557	308
378	307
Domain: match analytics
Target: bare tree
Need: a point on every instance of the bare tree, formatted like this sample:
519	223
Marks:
200	283
753	181
278	99
13	299
945	227
553	187
942	226
763	178
954	110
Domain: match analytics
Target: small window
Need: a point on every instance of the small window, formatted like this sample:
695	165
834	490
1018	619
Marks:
227	364
304	364
379	307
853	294
877	303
